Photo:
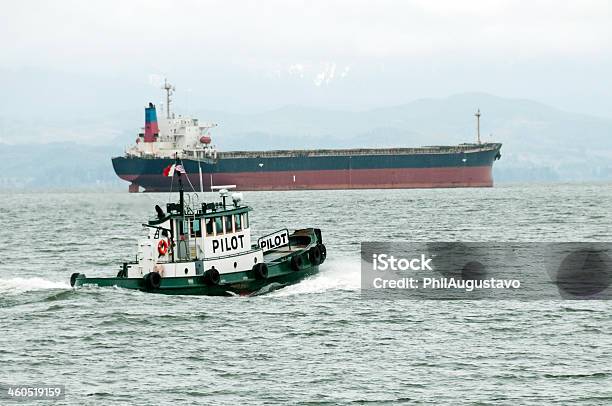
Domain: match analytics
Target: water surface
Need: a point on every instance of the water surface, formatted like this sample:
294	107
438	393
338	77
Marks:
316	341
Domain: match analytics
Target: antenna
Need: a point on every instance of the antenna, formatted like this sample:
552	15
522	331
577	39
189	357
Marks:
169	92
478	125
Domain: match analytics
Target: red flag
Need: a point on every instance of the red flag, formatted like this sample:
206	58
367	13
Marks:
169	170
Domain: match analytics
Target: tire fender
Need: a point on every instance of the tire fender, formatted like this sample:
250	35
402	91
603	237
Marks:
152	280
212	277
260	271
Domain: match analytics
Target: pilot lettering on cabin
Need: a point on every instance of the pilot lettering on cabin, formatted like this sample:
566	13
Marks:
274	241
226	244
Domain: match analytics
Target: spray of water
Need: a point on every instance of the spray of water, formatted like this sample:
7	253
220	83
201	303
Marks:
334	274
21	285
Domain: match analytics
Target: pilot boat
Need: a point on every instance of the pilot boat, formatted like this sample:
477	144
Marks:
206	249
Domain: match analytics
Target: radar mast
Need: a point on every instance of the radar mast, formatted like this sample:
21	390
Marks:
478	126
169	92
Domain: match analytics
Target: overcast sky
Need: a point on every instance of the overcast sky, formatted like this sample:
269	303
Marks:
90	57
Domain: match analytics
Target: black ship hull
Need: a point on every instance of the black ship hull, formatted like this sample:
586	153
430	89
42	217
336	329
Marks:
465	165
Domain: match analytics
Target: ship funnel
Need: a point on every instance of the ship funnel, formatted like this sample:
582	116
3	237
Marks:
151	128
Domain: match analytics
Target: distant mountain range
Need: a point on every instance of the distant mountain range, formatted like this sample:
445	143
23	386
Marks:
541	143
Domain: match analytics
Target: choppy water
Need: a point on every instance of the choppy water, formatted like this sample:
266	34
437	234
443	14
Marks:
316	341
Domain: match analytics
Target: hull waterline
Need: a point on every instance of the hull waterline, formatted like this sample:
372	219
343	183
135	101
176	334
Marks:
402	171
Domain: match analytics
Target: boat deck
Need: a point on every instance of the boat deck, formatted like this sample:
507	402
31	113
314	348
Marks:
433	149
281	252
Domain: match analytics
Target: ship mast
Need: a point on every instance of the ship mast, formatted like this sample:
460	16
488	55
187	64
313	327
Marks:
181	191
169	91
478	125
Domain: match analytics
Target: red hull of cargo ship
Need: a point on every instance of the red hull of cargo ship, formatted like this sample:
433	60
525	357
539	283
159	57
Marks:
395	178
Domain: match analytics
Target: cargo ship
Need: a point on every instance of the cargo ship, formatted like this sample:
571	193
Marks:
173	137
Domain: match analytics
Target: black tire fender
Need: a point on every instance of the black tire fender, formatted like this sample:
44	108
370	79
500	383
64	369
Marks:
260	271
314	254
323	250
297	262
73	278
152	280
212	277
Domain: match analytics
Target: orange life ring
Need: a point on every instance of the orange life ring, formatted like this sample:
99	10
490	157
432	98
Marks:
162	247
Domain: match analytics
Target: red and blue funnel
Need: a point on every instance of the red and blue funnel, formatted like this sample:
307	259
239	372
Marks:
151	128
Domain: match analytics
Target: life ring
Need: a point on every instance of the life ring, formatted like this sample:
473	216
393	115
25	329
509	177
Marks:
162	247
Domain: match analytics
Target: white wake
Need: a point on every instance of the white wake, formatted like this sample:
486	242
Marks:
21	285
336	274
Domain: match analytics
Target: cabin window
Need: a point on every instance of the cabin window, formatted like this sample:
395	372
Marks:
228	224
219	225
196	231
183	227
237	222
209	226
245	220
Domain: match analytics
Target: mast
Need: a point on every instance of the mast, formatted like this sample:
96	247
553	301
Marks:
181	191
181	196
169	91
478	125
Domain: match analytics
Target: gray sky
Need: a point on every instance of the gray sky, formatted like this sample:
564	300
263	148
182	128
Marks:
89	58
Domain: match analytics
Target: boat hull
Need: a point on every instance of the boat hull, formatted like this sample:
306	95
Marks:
295	170
239	284
282	268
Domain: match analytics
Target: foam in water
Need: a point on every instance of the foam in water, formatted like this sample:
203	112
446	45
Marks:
336	274
20	285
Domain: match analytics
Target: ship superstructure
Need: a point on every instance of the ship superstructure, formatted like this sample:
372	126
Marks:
173	135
